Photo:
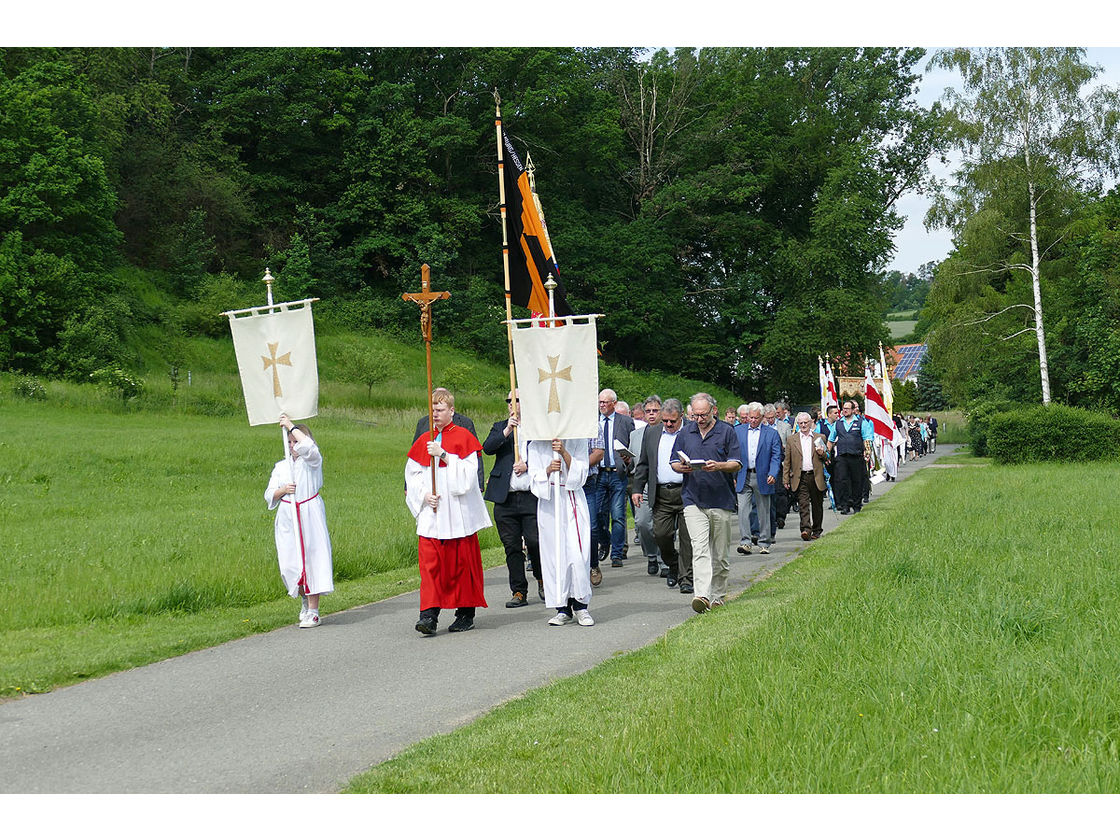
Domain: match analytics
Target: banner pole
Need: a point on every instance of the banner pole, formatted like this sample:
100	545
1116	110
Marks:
550	284
505	266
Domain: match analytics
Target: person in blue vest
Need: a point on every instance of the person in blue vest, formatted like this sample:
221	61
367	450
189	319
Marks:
846	444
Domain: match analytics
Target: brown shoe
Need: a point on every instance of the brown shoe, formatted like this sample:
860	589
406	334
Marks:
701	604
518	600
596	576
805	535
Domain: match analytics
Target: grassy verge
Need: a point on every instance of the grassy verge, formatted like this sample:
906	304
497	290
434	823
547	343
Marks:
129	537
962	635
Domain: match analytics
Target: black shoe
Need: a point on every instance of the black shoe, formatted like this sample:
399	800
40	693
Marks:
616	563
652	568
540	588
461	624
754	540
781	523
426	625
664	572
670	582
686	589
518	600
603	552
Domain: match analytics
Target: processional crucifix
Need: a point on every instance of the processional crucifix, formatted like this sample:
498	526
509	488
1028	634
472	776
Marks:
425	298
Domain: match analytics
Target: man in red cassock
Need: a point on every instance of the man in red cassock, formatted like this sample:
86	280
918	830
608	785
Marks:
448	520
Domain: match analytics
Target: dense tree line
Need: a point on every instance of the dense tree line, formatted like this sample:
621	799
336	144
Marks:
729	210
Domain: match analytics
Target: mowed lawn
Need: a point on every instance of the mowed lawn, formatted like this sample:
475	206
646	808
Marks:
131	537
962	635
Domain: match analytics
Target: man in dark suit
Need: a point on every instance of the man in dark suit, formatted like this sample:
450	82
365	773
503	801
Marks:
654	476
515	506
614	473
757	480
803	474
459	420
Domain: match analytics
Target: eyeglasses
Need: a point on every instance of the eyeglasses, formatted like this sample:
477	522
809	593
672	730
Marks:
510	402
669	422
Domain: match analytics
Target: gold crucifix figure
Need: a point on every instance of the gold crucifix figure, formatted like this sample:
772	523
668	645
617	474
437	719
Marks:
554	374
274	362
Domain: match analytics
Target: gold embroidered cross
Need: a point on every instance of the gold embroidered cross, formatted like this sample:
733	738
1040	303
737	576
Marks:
554	374
274	363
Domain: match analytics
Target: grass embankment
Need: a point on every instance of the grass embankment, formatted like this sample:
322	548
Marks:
961	635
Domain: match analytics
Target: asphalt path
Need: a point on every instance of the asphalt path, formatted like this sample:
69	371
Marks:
294	711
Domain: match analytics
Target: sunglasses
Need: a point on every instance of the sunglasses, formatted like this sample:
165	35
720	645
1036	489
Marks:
510	402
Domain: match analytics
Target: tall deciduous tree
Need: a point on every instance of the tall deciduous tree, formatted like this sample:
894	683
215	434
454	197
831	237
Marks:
1024	126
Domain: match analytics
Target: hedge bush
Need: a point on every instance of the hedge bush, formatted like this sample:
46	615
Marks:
980	413
1052	433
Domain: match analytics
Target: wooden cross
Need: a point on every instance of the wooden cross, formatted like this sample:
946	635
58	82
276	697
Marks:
554	374
275	363
425	298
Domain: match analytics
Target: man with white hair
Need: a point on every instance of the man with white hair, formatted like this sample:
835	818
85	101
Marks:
758	479
708	457
803	474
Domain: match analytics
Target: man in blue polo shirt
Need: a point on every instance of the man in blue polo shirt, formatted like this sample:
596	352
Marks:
707	455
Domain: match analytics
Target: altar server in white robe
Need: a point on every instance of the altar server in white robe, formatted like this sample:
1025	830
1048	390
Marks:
567	576
303	545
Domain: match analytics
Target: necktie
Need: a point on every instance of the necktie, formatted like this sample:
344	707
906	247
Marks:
607	442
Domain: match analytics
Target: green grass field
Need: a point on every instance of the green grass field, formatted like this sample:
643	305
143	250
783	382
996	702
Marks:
960	636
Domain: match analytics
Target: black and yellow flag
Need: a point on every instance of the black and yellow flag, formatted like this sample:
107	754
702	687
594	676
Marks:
530	253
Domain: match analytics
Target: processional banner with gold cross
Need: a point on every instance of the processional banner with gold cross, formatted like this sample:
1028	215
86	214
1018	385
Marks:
557	379
275	349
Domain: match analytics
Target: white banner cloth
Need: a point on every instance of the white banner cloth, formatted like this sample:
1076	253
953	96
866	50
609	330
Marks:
276	359
557	380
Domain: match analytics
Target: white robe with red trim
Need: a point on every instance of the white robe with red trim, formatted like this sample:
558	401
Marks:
569	574
306	548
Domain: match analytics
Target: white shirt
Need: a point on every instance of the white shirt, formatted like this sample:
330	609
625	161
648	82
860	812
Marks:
752	445
806	450
521	482
665	473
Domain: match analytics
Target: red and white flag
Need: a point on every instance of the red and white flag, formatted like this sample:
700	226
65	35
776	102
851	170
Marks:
874	409
833	398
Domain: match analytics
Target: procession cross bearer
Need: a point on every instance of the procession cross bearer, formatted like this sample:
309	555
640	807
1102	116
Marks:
442	492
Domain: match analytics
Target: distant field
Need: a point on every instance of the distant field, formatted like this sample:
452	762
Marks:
901	329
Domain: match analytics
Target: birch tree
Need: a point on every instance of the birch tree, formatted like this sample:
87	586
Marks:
1022	119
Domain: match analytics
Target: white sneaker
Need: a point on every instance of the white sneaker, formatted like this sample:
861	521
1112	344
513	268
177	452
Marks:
311	619
765	549
560	619
584	618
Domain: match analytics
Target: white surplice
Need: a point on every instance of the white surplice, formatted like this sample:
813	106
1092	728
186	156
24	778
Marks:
309	544
461	510
569	574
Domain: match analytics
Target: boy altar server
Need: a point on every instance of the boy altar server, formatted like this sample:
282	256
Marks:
447	521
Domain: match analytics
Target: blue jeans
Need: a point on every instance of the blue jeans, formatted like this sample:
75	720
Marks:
612	512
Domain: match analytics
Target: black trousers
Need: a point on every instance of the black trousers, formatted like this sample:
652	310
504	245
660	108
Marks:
516	519
668	519
847	481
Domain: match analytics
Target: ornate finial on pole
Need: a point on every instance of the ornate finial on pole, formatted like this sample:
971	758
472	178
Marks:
268	278
497	98
551	285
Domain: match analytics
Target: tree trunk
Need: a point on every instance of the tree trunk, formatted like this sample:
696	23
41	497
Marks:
1043	365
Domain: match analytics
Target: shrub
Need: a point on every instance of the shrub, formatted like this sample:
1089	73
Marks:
29	388
979	415
1052	433
125	385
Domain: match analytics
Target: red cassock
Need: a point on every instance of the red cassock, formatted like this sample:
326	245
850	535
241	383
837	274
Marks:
450	557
